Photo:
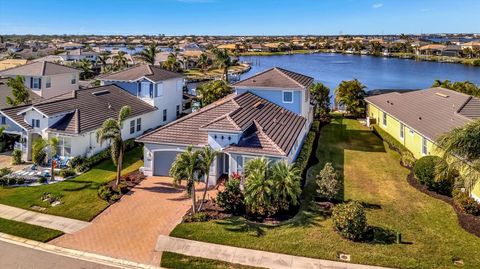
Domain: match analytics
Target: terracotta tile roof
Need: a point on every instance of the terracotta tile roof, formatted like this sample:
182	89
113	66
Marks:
151	72
42	68
431	112
277	78
276	129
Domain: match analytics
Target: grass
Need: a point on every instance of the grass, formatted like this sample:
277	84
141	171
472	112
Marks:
79	195
28	231
174	260
371	173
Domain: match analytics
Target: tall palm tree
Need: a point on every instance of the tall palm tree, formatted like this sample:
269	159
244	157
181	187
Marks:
286	184
187	166
223	61
351	94
460	148
102	61
112	131
172	63
203	61
148	54
87	68
207	157
119	60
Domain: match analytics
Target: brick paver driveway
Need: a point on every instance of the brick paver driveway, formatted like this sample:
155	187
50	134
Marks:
129	229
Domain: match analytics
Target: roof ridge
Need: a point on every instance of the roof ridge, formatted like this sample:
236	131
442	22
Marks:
44	66
284	72
255	75
119	71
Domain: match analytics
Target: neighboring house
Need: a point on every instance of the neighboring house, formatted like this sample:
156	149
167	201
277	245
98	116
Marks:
432	49
46	79
75	118
71	56
10	63
268	115
470	45
452	51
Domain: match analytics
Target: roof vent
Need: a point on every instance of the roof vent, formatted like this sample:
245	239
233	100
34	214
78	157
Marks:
109	106
100	92
419	118
441	95
258	104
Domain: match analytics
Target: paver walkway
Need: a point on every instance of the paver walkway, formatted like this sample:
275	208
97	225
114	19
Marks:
65	225
129	229
248	257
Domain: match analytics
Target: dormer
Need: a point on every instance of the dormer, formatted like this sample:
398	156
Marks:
222	132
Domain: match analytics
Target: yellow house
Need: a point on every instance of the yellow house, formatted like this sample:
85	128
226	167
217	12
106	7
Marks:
417	118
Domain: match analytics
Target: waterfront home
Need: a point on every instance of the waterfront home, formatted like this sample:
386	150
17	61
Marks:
269	114
46	79
432	49
75	117
76	55
470	45
417	118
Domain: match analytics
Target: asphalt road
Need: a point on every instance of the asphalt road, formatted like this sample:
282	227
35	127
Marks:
18	257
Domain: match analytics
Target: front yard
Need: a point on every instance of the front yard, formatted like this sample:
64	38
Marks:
78	195
28	231
430	232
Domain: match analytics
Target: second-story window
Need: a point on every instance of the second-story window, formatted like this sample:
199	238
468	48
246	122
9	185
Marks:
48	82
164	115
35	123
178	110
74	79
132	126
3	120
287	96
36	83
139	124
159	90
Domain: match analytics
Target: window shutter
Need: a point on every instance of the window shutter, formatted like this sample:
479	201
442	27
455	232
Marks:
151	90
39	83
138	88
31	82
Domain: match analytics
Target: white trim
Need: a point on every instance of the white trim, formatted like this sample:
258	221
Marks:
283	97
30	109
16	123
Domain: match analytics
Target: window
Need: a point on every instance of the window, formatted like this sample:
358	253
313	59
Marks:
402	127
239	164
288	96
36	83
424	146
412	132
48	82
145	89
159	90
179	85
178	110
139	124
164	115
35	123
3	120
74	79
64	147
132	126
384	119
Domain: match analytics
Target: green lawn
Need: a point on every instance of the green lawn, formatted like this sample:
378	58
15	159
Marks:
79	195
178	261
28	231
372	174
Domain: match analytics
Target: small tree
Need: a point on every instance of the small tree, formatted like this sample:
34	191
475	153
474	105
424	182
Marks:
207	157
19	91
258	187
351	94
286	184
350	220
223	61
327	182
203	61
212	91
321	99
231	199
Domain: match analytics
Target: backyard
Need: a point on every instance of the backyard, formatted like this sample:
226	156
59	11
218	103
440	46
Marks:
78	195
431	236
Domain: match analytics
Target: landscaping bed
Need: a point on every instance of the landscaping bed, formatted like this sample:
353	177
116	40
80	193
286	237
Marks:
28	231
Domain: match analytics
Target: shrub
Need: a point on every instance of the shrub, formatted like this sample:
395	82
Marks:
231	199
16	157
466	203
42	180
122	187
11	181
105	192
198	217
20	181
69	172
476	62
349	220
327	182
302	159
5	171
424	170
407	159
76	161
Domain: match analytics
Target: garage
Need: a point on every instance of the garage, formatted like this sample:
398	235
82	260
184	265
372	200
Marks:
162	162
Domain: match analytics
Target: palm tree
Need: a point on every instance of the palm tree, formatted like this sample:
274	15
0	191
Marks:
102	60
351	94
172	63
112	131
41	144
87	68
460	148
286	184
148	54
258	186
203	61
119	60
223	60
187	166
207	156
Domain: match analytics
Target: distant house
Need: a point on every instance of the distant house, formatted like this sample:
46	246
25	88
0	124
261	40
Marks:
256	48
75	117
432	49
452	51
10	63
268	115
78	55
71	46
46	79
470	45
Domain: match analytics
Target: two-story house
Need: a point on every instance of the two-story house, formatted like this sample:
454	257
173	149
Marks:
46	79
268	115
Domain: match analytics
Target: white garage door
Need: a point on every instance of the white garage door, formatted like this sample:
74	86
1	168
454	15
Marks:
162	162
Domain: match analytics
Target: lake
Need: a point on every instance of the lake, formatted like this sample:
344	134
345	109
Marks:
373	72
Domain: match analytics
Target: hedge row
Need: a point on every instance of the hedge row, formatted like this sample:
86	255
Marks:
407	157
304	155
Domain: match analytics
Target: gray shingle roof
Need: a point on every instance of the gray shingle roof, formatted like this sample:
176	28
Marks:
42	68
151	72
431	112
6	91
277	78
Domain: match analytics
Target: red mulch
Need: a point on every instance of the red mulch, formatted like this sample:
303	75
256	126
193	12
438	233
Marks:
468	222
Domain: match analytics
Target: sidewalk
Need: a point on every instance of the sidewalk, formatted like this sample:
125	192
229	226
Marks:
247	257
65	225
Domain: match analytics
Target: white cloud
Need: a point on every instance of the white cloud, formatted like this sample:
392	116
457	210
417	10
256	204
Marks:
379	5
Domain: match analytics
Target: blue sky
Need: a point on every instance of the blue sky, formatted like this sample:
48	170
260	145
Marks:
238	17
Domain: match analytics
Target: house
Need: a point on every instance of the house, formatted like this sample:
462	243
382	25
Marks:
75	118
470	45
268	115
452	51
158	87
432	49
10	63
76	55
46	79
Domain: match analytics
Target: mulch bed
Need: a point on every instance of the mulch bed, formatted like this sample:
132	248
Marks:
468	222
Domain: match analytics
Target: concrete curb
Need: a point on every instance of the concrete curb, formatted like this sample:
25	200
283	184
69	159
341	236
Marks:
76	254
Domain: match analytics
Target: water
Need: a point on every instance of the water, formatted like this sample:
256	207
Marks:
373	72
